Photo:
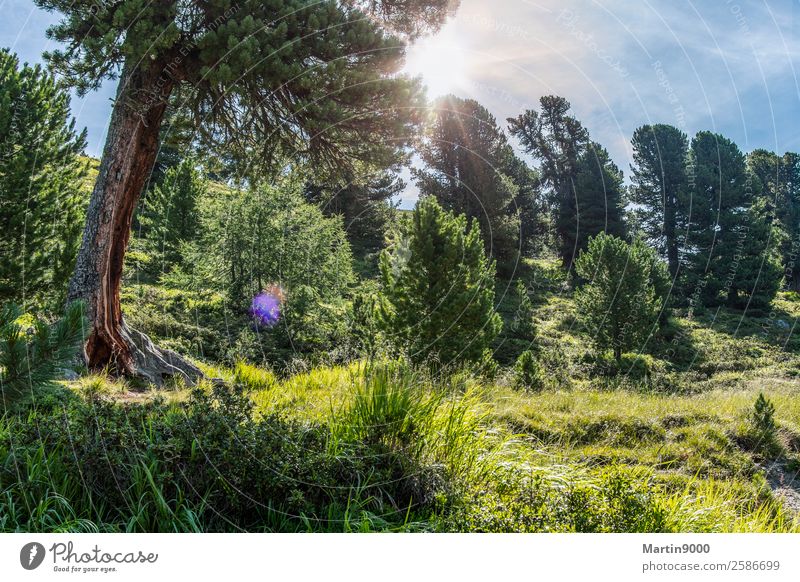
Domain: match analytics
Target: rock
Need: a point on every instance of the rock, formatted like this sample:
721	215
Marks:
69	375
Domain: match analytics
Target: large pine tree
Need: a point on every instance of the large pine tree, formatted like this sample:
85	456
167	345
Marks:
467	158
779	180
310	80
557	140
730	243
660	188
40	186
598	204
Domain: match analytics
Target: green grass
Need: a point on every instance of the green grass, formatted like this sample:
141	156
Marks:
668	441
470	455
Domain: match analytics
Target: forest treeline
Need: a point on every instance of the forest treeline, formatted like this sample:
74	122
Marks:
701	224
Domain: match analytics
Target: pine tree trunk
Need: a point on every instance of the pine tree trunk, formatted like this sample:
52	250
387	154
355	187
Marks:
128	158
671	236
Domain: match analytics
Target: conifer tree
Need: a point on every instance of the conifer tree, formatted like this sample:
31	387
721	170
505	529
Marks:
618	302
467	157
779	180
731	242
438	288
524	325
40	186
365	203
557	141
660	188
597	206
310	80
171	215
528	204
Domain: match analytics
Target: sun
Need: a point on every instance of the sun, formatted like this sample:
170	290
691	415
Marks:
440	61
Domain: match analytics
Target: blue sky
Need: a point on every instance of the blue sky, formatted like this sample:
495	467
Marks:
731	66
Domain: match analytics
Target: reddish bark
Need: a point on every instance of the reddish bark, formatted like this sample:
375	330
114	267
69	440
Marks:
128	158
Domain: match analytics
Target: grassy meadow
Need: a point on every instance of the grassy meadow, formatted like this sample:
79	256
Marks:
381	445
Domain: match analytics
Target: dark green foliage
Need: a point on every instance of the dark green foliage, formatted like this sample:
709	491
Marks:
365	205
758	274
170	216
618	301
207	466
731	247
438	289
33	354
264	79
534	222
779	181
519	332
617	501
763	416
597	206
467	158
41	203
557	141
528	374
760	431
660	188
523	325
177	141
364	319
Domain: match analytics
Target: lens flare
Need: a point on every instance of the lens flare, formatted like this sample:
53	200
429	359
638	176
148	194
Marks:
266	306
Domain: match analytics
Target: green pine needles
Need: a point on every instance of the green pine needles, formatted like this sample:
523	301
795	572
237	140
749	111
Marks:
32	355
438	289
41	173
618	303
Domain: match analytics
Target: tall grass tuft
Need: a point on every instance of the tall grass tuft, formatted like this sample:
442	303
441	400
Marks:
407	413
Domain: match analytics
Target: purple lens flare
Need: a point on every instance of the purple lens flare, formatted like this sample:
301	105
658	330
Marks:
266	306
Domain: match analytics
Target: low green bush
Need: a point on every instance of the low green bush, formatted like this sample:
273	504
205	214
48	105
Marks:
206	465
33	352
759	432
614	500
528	374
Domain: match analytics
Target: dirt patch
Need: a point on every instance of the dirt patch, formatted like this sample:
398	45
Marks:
785	484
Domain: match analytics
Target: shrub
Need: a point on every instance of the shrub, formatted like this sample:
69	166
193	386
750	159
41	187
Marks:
760	433
614	500
205	465
528	373
763	416
438	289
618	302
523	325
363	322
